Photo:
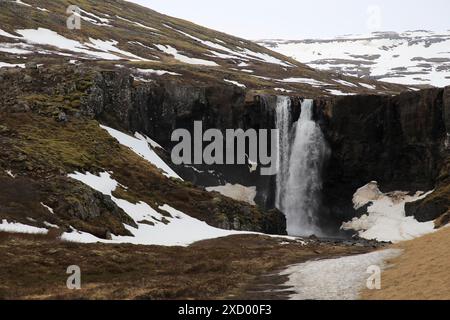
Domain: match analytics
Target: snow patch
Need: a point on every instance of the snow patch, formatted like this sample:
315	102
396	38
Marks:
15	227
158	72
185	59
11	65
48	208
334	279
339	92
236	192
181	229
235	83
140	145
385	219
309	81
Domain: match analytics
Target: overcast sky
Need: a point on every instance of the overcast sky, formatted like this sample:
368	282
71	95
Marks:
299	19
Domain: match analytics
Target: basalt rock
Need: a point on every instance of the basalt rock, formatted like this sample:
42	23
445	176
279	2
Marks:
398	141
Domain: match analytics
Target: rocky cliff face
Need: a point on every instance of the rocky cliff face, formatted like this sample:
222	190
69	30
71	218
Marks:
400	141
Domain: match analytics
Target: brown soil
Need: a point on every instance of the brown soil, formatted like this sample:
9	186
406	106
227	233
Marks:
420	273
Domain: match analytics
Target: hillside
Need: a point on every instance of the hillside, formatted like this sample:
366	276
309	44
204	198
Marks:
420	273
410	58
115	34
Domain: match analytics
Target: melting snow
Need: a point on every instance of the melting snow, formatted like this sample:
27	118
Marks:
138	24
185	59
6	34
14	227
48	208
339	92
15	48
22	3
182	230
237	192
385	219
96	48
335	279
9	173
158	72
309	81
346	83
140	145
92	18
11	65
235	83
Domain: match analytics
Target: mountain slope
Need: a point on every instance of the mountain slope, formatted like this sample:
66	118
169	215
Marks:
409	58
124	34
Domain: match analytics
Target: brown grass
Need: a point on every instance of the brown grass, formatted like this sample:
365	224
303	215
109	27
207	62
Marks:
34	267
420	273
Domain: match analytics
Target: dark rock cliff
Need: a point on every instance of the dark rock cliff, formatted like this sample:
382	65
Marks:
400	141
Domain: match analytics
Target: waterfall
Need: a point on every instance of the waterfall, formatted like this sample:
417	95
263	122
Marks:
283	124
299	184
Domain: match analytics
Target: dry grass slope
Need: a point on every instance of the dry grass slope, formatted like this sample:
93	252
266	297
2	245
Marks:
420	273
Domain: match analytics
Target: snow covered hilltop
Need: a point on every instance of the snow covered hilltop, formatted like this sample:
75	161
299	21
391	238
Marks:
409	58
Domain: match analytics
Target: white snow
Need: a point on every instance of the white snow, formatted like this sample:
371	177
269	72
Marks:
182	230
266	58
7	35
22	3
309	81
9	173
346	83
237	192
94	19
138	24
339	92
50	225
424	55
15	48
100	49
385	219
48	208
185	59
335	279
282	90
153	143
367	86
158	72
235	83
140	145
15	227
11	65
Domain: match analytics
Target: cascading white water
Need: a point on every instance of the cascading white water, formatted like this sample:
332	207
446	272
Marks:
299	186
283	124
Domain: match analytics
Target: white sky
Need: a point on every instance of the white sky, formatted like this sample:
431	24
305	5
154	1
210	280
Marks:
299	19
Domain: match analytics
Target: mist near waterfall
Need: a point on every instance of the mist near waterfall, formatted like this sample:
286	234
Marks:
302	153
